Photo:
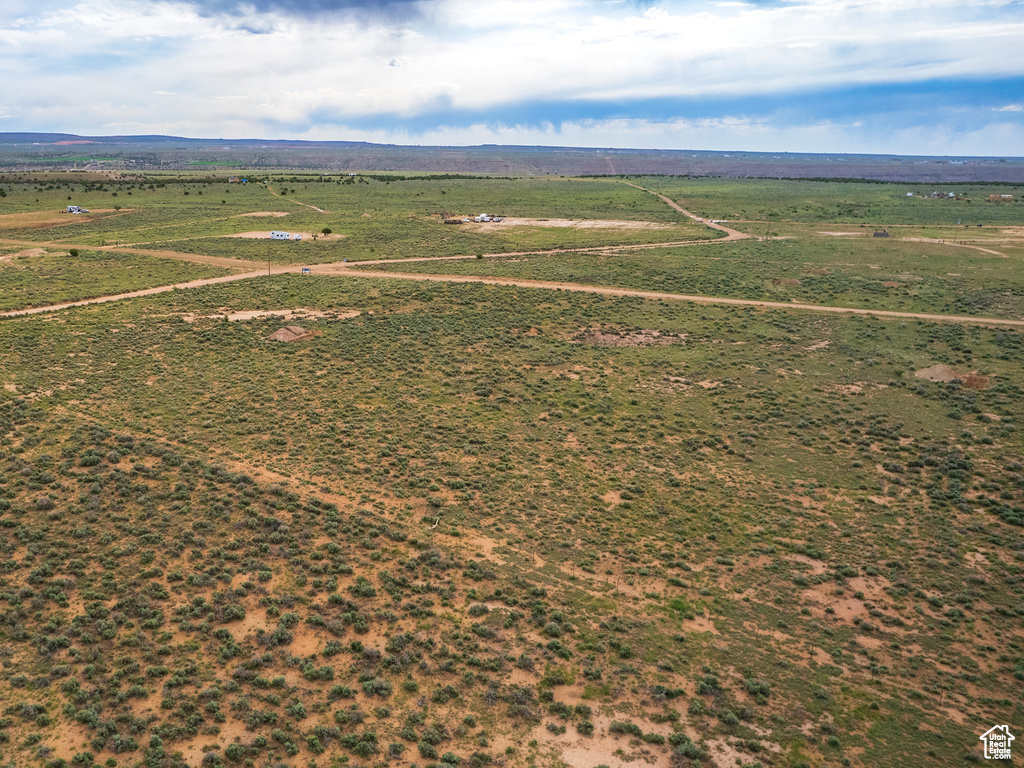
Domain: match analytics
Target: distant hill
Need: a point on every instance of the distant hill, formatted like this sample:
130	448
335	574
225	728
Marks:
65	151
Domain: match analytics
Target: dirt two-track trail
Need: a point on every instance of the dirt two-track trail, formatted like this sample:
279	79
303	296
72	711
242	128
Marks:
352	269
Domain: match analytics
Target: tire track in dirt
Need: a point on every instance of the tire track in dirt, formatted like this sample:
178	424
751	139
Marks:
351	269
731	234
292	200
953	243
346	270
131	294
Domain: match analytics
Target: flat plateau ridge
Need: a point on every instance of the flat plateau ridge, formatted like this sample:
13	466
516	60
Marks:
28	151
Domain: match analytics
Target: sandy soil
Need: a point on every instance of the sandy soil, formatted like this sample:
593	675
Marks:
565	223
266	235
644	338
841	234
936	373
46	218
28	253
261	213
950	242
946	374
283	313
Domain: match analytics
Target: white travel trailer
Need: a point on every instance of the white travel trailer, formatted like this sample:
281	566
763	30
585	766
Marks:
279	235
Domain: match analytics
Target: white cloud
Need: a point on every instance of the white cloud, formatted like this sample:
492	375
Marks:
723	133
99	63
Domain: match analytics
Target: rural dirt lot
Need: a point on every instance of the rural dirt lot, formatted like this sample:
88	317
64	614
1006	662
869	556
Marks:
576	223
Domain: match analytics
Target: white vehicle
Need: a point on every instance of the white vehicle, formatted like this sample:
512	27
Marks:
279	235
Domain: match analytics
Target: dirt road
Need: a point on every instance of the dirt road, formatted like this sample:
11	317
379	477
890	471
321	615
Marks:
680	297
293	200
953	243
731	234
352	269
131	294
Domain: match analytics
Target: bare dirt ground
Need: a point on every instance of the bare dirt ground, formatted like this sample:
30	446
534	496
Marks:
28	253
953	243
260	213
46	218
565	223
266	235
287	314
645	338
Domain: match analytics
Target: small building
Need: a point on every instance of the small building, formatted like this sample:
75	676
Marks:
880	233
279	235
1000	198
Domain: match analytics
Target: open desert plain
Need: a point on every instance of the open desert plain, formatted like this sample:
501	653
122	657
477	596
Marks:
641	472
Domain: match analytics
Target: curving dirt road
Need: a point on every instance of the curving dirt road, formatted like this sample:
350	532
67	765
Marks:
352	269
293	200
731	234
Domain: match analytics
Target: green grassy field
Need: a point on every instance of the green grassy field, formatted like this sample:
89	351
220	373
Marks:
469	525
861	272
54	278
832	201
378	219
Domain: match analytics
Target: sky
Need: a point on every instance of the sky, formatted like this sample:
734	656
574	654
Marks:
935	77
